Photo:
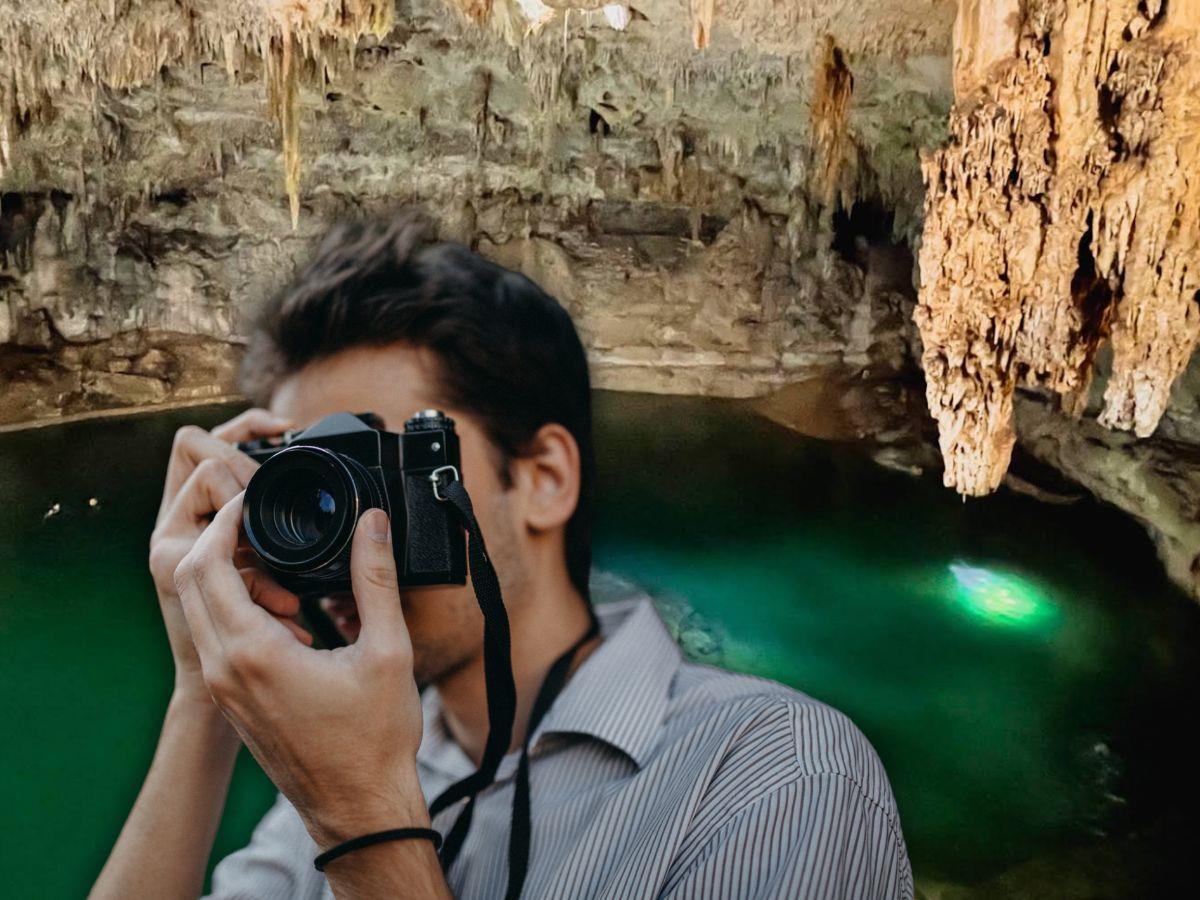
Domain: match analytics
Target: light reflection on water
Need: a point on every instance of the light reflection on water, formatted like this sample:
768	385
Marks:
1002	598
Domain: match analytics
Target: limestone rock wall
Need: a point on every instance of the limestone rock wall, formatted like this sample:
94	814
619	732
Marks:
1156	480
165	165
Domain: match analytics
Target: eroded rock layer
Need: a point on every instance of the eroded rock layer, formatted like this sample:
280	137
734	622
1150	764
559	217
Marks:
167	164
1064	212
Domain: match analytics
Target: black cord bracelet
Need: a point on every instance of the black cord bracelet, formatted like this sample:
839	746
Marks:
379	837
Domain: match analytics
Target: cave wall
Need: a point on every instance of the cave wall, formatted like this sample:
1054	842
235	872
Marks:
692	208
729	198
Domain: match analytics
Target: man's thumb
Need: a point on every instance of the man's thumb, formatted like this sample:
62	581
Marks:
373	576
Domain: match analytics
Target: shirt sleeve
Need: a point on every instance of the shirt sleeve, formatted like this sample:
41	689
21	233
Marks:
818	837
275	865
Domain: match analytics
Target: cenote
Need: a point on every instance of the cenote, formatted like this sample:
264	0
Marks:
1024	670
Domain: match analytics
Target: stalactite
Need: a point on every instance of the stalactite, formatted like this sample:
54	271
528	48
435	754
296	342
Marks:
282	80
481	87
475	10
670	152
6	127
1063	211
703	13
1153	247
833	86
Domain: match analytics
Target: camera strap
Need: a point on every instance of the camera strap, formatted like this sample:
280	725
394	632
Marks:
519	832
501	702
497	662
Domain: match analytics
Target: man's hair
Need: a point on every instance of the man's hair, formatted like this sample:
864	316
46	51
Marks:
507	352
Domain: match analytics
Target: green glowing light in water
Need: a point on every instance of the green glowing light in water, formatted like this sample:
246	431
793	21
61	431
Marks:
1000	597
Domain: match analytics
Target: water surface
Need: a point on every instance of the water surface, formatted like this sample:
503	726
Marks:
1024	670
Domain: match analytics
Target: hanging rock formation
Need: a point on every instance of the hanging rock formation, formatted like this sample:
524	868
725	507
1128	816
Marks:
57	50
1063	213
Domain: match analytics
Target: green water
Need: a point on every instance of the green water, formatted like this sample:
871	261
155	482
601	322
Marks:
1024	670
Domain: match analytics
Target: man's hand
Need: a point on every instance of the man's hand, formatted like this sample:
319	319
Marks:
336	730
166	841
204	473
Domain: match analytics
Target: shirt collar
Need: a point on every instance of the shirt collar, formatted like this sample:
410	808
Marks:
618	695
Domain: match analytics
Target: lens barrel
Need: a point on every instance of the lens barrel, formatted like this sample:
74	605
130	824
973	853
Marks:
301	508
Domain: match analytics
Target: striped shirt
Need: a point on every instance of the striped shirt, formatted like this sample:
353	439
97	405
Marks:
650	778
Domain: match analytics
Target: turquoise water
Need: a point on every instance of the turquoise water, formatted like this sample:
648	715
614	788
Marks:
1024	670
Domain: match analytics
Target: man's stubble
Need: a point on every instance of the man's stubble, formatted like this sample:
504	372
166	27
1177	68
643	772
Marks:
450	637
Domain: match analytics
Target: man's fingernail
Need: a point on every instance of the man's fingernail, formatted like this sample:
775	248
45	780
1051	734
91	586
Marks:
377	525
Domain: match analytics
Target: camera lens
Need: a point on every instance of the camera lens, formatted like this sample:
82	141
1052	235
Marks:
308	515
301	507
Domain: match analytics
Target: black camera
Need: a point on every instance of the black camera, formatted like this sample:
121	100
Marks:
304	502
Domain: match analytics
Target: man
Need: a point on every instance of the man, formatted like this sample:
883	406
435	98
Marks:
647	777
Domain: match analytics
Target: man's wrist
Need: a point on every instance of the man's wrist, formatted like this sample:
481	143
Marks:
197	710
404	868
397	803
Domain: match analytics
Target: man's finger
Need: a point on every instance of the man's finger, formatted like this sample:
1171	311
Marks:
253	423
194	445
220	585
210	486
373	579
268	593
199	623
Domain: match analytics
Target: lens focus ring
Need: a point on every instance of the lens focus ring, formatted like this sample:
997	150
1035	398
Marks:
301	507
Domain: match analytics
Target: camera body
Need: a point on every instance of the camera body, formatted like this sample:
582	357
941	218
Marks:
304	502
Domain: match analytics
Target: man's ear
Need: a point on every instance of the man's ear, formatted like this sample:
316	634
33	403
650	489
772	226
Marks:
546	478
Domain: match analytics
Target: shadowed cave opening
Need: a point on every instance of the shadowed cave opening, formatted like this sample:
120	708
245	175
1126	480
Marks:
1092	293
863	236
867	222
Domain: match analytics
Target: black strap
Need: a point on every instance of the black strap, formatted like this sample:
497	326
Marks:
501	703
497	665
519	833
378	837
